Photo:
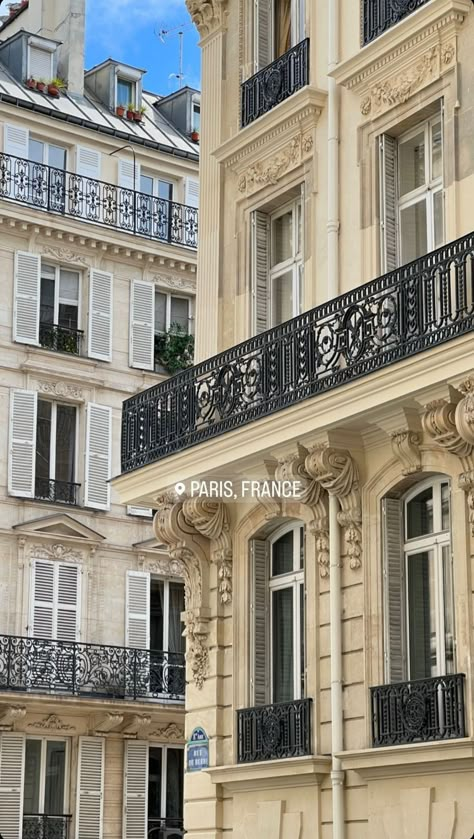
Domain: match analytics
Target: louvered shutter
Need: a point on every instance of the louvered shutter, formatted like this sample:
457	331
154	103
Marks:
135	786
98	456
88	162
259	621
143	512
142	315
125	174
68	600
90	788
388	203
12	769
42	620
394	591
22	453
191	192
263	31
137	605
260	271
40	65
15	140
26	304
100	315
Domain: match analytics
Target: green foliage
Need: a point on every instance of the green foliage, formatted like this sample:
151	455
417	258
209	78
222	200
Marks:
174	349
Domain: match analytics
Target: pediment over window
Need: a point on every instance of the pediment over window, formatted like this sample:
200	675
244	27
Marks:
61	525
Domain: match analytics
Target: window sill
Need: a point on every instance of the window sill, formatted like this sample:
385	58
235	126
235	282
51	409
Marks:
271	774
411	759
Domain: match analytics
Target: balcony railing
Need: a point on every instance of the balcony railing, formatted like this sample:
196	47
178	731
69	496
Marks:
77	669
58	492
418	711
165	829
275	83
89	200
60	338
41	826
272	732
420	305
380	15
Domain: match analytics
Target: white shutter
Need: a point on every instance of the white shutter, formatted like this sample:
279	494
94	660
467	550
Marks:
125	173
142	315
388	202
26	304
40	64
135	785
191	192
88	162
15	140
100	315
144	512
259	621
55	600
12	768
21	466
98	456
90	788
263	33
137	606
394	591
260	270
67	602
42	618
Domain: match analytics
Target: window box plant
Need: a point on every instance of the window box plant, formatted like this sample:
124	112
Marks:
195	136
174	350
120	109
131	111
55	86
31	83
40	85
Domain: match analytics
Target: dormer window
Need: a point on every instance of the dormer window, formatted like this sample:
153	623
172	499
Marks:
40	63
196	123
126	92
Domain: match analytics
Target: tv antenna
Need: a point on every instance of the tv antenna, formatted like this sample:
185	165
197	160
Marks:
175	32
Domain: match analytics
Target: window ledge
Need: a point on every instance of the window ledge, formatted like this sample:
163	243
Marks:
411	759
270	774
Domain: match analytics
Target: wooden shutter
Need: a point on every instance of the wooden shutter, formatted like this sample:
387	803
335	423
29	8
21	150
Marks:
98	456
263	33
40	64
90	788
55	600
16	140
388	203
88	162
42	620
26	304
100	315
137	605
68	602
12	769
135	785
394	591
142	316
191	192
22	452
143	512
259	618
125	173
260	271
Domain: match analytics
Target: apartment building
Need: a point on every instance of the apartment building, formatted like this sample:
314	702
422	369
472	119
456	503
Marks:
98	243
330	634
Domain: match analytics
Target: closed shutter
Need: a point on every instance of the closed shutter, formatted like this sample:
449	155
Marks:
90	788
88	162
100	315
259	621
191	192
55	600
137	605
388	202
135	786
22	454
144	512
125	174
42	599
394	591
68	598
142	312
260	272
26	304
263	33
16	140
40	65
98	456
12	768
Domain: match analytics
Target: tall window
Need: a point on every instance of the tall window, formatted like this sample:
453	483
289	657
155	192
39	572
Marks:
165	790
279	25
166	605
126	92
55	452
171	310
154	206
59	309
47	153
44	789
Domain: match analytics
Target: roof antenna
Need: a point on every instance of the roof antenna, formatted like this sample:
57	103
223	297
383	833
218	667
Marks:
175	31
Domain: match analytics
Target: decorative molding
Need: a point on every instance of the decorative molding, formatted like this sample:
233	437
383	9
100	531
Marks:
171	733
107	722
9	715
439	423
269	170
166	566
466	482
51	723
174	282
65	255
210	519
61	389
135	723
58	552
464	416
406	448
399	87
207	15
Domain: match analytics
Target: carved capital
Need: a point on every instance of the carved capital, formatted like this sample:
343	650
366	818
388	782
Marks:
207	15
439	423
465	411
406	448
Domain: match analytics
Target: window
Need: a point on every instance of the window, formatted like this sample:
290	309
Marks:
155	213
47	153
55	452
126	92
278	26
59	309
166	605
47	187
196	123
171	311
165	789
45	788
40	64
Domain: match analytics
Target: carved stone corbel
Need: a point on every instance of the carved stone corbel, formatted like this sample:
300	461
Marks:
466	482
209	518
9	715
136	723
439	423
107	722
406	448
465	411
207	15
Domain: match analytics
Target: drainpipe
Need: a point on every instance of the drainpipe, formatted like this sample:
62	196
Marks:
333	151
335	608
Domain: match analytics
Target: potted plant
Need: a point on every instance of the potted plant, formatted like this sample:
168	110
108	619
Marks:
131	110
55	85
120	109
195	136
40	85
31	83
174	350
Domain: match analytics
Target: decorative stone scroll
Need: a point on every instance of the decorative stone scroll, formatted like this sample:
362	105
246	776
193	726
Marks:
207	15
406	448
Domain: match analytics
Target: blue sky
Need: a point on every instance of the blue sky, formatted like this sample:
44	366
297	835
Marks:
127	30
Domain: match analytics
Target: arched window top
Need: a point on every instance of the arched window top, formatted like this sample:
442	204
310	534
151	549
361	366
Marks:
287	550
427	509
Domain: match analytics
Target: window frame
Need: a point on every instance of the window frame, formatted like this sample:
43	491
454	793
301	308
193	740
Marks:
57	284
37	46
169	295
166	613
120	77
42	784
164	774
47	145
293	264
52	441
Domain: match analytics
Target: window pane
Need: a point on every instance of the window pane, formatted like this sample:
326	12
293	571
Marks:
174	783
165	190
180	313
438	213
124	92
282	554
413	231
196	117
283	304
283	645
146	184
448	608
176	642
57	157
422	616
36	151
54	781
282	26
154	783
160	312
65	443
411	163
68	285
157	593
67	316
301	529
436	152
47	301
302	641
31	803
43	439
282	238
445	519
420	514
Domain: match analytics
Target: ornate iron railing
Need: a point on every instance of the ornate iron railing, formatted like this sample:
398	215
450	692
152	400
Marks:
90	200
275	83
380	15
78	669
420	305
59	492
60	338
418	711
165	829
271	732
42	826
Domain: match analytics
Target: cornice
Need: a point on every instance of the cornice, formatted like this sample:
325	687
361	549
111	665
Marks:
295	772
411	759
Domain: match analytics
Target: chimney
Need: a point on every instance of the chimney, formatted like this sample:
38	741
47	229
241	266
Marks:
64	20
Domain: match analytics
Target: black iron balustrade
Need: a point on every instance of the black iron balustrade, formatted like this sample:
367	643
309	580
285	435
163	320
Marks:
275	83
77	669
42	826
59	492
418	711
60	338
89	200
380	15
420	305
165	828
273	732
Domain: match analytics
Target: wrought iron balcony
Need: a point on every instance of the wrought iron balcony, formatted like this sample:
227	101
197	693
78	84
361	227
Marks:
275	83
418	711
418	306
42	826
272	732
380	15
89	200
60	338
76	669
165	829
58	492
